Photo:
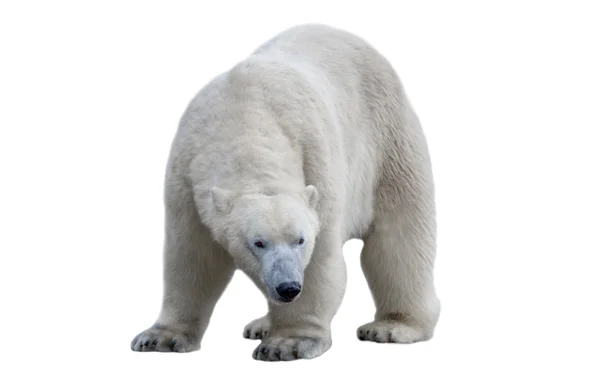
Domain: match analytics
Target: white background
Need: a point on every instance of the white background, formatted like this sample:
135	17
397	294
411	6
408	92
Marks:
90	97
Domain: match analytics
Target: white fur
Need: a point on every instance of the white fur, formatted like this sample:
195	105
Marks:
312	135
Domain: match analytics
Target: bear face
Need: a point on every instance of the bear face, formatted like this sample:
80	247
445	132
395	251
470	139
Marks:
270	237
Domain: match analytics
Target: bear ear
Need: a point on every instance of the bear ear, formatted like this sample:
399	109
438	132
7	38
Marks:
221	199
311	195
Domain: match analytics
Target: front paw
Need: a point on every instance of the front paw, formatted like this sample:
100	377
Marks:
163	339
290	348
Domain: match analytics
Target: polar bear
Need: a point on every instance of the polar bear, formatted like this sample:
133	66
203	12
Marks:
307	143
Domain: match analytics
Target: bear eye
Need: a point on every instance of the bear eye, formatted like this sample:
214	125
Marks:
259	244
301	241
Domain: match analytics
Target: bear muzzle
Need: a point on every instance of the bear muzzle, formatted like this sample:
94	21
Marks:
288	291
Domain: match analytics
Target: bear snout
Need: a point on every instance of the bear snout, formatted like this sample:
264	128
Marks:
288	290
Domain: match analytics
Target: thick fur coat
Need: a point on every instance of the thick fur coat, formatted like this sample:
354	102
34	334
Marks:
307	143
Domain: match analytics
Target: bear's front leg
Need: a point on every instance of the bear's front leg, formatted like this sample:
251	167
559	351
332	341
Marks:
196	272
302	328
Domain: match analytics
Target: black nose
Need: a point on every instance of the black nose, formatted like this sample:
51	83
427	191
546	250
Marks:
288	290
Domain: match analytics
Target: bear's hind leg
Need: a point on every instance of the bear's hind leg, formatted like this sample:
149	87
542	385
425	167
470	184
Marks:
258	328
398	259
398	266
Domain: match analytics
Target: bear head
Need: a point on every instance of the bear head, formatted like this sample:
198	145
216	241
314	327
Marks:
271	237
